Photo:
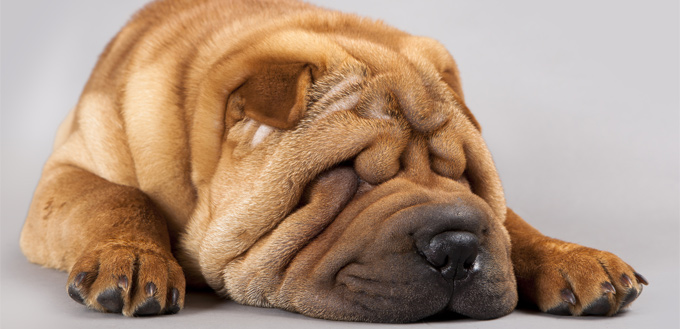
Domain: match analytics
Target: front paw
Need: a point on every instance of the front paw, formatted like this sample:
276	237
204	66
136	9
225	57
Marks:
132	278
575	280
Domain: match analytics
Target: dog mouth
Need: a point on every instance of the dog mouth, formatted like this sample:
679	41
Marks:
411	261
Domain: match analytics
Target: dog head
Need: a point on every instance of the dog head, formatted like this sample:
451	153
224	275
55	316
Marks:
352	183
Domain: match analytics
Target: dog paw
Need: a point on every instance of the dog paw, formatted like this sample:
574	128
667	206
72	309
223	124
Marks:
575	280
135	279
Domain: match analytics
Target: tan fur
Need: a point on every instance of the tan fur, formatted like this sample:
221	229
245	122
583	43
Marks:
210	136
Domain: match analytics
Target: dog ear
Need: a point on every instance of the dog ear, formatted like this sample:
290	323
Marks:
451	79
275	94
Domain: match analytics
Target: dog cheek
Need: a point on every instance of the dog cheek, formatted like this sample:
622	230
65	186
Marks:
446	168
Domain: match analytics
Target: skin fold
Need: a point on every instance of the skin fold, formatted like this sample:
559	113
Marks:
290	156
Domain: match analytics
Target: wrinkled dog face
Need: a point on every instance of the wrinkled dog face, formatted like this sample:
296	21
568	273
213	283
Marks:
381	204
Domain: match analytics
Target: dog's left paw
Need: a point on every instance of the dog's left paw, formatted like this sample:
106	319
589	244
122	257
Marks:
130	277
576	280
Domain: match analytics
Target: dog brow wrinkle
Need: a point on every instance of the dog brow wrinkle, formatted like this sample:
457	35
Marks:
341	87
344	103
342	96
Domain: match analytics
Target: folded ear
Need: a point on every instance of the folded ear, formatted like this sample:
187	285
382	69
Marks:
275	94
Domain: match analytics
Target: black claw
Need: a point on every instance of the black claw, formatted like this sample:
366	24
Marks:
111	300
174	294
562	309
568	296
150	307
78	280
123	282
174	302
150	289
74	293
73	288
600	307
608	288
627	282
641	278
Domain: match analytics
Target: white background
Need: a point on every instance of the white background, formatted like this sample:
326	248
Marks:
578	101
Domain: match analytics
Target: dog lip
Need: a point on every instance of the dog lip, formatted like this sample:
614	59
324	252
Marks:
375	291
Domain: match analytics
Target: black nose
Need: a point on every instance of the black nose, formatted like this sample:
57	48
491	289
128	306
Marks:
452	252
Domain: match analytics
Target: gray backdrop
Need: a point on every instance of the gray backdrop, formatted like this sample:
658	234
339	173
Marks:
578	101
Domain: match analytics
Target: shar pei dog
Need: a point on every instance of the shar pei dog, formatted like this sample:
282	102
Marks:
290	156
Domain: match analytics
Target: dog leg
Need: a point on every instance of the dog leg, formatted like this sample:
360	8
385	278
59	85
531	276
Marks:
110	237
566	278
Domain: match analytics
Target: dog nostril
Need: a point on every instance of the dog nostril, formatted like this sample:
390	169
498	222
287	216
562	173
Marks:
453	253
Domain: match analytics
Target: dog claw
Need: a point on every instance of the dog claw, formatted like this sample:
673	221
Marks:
568	296
641	278
123	282
563	308
78	280
150	289
174	296
174	301
608	288
111	300
625	279
73	290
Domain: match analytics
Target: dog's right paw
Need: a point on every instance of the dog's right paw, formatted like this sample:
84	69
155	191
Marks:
132	278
